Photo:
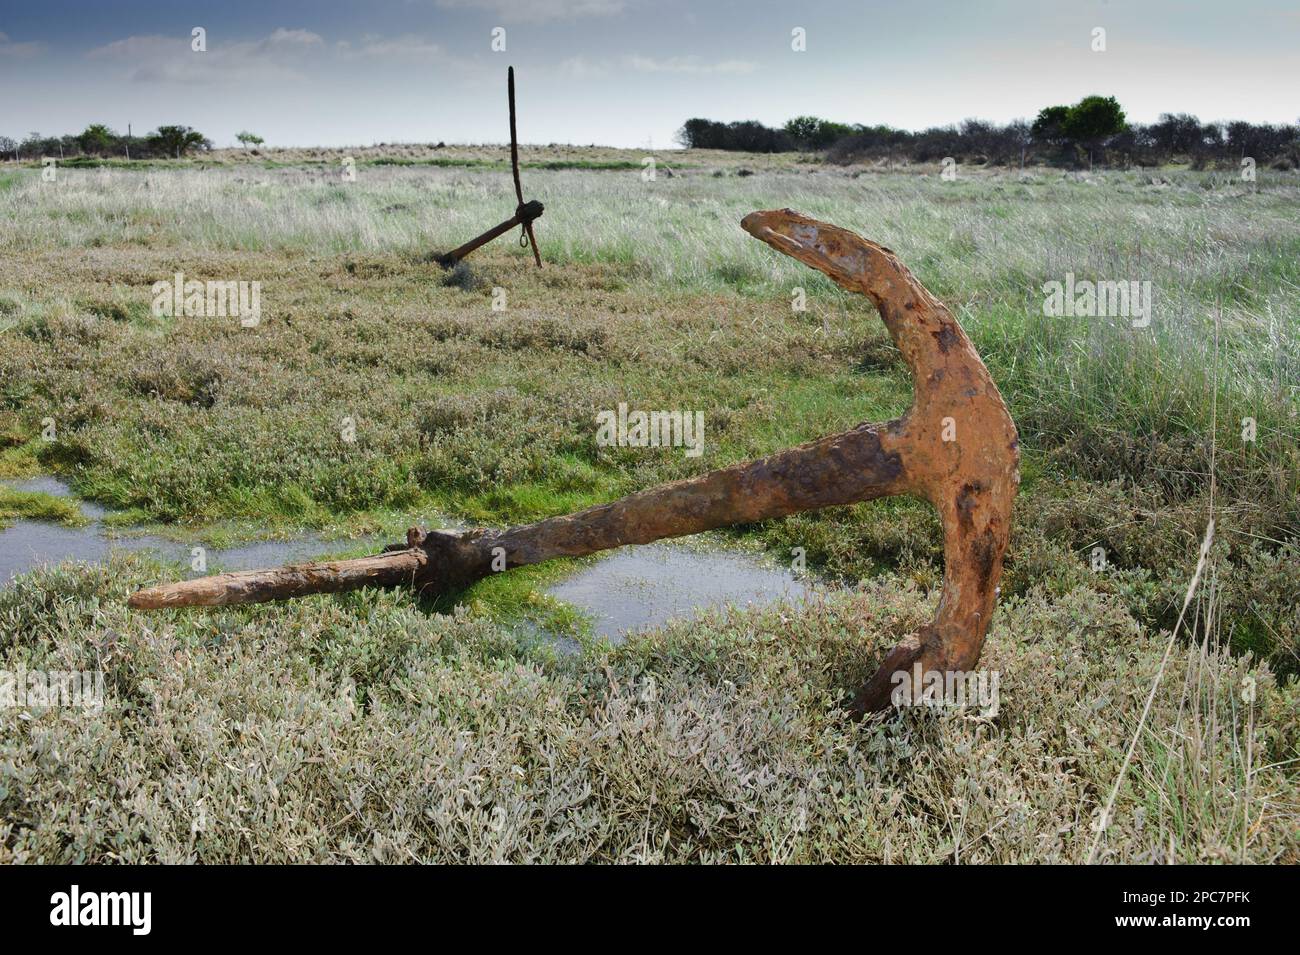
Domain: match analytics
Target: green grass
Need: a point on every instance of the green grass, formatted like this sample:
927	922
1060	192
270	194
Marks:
469	163
38	506
134	165
651	294
519	597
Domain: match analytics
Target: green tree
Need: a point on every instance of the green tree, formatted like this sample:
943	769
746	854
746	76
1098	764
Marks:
812	132
178	140
1093	120
1049	126
249	139
97	138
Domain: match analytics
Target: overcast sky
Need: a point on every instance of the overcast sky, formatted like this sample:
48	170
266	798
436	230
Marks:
626	72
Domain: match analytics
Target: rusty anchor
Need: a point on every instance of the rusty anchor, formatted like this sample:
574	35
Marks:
955	447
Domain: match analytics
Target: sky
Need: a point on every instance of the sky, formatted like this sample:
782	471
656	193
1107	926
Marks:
625	72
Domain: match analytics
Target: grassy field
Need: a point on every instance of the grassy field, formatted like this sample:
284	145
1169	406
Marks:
368	727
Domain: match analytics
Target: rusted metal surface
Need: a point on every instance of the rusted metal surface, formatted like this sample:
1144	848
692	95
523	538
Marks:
957	443
514	168
955	447
524	215
525	212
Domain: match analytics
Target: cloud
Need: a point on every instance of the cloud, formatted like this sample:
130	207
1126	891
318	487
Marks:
407	46
135	47
153	58
9	48
537	11
581	68
280	56
283	38
689	64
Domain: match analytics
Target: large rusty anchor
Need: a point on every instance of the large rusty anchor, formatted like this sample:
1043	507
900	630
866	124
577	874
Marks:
956	447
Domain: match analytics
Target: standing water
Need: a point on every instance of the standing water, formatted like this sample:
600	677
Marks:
27	544
631	589
646	586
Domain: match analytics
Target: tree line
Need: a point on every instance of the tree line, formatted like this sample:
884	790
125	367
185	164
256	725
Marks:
1091	131
97	140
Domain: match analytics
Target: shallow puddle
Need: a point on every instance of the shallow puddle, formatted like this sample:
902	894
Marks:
639	587
631	589
27	544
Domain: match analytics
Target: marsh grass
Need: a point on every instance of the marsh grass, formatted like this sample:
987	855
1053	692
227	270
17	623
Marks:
362	729
38	506
651	295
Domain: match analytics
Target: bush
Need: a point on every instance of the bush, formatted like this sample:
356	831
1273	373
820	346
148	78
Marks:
361	729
